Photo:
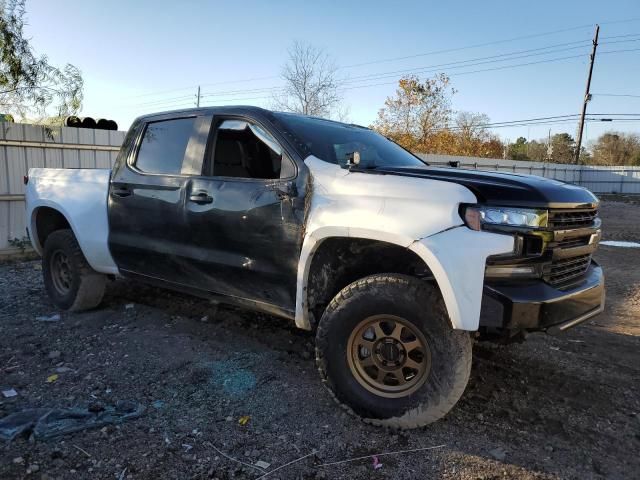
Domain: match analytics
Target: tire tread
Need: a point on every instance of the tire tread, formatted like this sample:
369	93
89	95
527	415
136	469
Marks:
422	415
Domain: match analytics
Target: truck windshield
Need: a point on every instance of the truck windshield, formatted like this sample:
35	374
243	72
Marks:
333	142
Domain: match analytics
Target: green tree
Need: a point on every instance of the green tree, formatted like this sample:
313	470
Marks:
563	148
518	150
29	85
617	148
538	151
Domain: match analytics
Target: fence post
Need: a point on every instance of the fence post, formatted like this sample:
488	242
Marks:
622	181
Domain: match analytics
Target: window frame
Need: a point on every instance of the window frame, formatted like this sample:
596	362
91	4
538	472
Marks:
208	166
196	137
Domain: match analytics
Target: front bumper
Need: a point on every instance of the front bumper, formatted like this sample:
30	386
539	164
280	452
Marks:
537	306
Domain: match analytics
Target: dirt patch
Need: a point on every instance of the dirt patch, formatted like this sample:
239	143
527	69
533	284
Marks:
553	407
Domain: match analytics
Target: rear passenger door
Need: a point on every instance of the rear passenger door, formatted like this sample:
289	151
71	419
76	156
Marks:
147	234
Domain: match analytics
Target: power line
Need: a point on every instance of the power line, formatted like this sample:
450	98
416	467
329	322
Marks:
449	50
621	36
417	69
456	64
460	64
426	69
532	122
501	67
181	100
435	52
478	45
615	95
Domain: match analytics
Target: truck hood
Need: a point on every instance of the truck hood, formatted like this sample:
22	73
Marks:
508	189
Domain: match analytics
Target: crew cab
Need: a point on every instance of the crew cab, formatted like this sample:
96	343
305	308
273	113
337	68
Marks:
394	264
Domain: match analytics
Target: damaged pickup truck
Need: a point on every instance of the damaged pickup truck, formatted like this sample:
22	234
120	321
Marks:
396	265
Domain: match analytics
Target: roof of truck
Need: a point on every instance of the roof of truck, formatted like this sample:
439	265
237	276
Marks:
238	110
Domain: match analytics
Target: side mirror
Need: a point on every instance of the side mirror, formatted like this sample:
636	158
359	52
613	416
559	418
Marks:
353	159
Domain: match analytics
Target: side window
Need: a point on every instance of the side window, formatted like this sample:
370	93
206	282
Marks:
245	150
163	146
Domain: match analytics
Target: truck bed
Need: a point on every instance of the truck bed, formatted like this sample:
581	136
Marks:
81	196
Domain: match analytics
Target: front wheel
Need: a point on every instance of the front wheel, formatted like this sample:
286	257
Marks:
68	278
386	350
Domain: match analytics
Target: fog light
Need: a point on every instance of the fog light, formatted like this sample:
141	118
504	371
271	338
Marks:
510	271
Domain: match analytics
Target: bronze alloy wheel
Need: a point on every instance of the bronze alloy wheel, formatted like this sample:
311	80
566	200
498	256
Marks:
61	275
388	356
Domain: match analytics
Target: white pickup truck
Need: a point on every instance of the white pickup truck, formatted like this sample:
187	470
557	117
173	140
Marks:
394	264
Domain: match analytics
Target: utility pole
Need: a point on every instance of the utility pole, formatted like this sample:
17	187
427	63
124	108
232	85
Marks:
198	98
587	95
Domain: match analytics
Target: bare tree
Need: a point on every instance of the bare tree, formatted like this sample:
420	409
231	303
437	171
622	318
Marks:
311	82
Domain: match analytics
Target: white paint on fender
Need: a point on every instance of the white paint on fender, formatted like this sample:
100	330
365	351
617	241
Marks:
457	259
405	211
81	196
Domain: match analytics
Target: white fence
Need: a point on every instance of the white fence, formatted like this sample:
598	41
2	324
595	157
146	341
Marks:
598	179
25	146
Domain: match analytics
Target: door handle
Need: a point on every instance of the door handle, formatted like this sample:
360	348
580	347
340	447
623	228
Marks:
121	191
200	197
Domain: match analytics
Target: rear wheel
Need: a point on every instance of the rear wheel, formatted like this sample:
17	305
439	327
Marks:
386	350
68	278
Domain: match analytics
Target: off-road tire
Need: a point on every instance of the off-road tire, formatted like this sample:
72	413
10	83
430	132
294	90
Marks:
421	304
86	286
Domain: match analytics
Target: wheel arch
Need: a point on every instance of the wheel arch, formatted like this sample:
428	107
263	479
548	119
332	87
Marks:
325	266
46	219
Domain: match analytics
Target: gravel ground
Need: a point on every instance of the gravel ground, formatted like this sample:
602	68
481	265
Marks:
553	407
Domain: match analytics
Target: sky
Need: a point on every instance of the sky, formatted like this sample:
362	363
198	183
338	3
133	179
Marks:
144	56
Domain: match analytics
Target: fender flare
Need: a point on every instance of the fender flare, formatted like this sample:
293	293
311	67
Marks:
456	258
108	268
33	228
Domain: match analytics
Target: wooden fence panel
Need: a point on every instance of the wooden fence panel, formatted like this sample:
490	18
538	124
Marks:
24	146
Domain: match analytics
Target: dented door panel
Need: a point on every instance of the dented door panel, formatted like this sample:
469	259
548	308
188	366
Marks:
245	242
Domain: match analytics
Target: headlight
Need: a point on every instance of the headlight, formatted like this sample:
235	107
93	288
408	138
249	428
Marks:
477	216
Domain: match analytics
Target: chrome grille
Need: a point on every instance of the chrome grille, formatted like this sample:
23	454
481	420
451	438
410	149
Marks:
563	271
569	260
567	219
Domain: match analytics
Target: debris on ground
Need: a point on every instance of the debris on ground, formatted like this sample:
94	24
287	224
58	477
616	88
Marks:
64	369
52	378
46	423
9	393
243	420
51	318
263	465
